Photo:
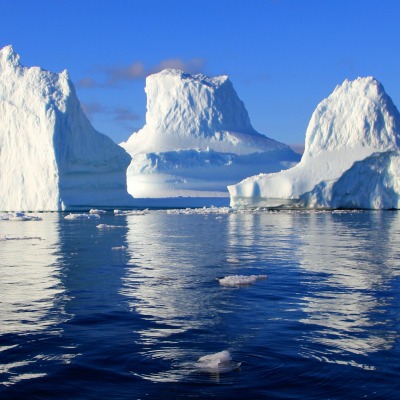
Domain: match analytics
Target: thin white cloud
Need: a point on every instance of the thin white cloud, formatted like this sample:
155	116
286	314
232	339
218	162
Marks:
93	108
119	74
124	114
87	82
121	114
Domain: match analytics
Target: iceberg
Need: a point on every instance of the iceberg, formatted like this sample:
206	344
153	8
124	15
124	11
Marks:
197	139
351	157
51	158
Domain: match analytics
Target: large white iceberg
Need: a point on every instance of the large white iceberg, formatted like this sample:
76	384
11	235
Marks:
197	139
51	158
350	158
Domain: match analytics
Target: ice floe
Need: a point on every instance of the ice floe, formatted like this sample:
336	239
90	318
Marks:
94	211
131	212
240	280
217	363
232	260
106	226
4	238
18	216
118	248
81	216
203	210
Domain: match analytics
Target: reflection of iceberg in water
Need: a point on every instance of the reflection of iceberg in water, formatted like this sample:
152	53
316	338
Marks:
31	292
350	260
172	286
29	283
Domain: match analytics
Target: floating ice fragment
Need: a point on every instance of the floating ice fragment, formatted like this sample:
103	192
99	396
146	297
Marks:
139	212
3	238
116	248
232	260
94	211
81	216
217	363
202	211
131	212
19	216
105	226
240	280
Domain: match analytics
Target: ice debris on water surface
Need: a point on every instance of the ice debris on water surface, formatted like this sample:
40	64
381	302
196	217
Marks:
202	211
240	280
131	212
217	363
117	248
18	216
84	216
105	226
95	211
232	260
4	238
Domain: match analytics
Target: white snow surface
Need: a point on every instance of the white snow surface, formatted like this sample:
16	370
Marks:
346	131
197	139
51	157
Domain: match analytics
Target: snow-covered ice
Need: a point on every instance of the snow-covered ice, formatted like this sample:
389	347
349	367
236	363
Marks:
240	280
197	139
350	158
51	157
217	363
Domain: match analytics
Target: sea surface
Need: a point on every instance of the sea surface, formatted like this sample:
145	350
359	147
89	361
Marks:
123	306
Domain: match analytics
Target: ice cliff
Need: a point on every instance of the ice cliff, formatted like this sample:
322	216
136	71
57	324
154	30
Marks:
51	158
197	139
350	158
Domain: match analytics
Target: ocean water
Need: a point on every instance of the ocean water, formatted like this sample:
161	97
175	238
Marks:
123	306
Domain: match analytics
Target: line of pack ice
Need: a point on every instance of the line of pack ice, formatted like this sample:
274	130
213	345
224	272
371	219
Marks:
197	140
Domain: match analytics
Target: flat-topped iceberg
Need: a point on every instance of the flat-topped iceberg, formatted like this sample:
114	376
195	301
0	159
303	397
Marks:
197	139
350	158
51	158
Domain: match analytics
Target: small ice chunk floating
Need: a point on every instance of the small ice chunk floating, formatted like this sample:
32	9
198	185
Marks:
18	216
74	217
217	363
240	280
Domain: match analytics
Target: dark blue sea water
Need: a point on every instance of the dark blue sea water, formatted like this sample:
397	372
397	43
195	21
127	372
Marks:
125	312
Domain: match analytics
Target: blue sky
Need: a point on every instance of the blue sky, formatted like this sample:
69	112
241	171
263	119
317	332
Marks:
282	56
